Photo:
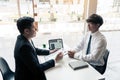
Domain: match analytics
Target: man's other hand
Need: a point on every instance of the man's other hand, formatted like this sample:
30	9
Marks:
59	56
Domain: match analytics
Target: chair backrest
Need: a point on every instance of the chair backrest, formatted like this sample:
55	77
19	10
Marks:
5	70
106	58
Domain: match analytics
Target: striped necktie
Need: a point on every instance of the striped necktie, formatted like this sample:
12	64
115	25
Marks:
88	47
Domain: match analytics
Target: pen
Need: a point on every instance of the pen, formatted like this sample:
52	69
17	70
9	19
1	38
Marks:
65	53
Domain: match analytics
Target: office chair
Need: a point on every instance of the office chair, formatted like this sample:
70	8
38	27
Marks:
7	74
102	69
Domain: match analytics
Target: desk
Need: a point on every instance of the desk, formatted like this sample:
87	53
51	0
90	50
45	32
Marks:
62	71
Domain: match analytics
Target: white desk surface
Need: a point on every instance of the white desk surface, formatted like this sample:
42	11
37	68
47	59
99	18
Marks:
63	71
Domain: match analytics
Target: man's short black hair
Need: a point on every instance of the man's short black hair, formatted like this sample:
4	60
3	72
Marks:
24	22
96	19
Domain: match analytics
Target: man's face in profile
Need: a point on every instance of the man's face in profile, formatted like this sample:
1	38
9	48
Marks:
92	27
32	31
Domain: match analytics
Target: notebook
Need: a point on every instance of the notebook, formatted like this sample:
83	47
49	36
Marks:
78	65
55	44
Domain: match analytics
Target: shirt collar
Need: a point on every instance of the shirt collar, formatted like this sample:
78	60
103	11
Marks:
95	33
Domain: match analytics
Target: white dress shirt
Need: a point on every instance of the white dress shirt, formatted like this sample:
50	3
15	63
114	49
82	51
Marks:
97	49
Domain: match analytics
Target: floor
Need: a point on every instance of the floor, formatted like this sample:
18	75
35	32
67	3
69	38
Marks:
70	35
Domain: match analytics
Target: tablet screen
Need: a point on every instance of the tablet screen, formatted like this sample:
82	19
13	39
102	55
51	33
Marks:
55	44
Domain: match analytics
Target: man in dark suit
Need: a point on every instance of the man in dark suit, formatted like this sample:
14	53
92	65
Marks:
27	66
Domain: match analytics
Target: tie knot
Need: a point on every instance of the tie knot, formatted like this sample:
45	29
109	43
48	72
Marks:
90	36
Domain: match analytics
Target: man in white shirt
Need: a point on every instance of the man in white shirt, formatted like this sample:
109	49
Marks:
97	47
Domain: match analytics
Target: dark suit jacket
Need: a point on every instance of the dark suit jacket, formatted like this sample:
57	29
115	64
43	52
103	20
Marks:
27	64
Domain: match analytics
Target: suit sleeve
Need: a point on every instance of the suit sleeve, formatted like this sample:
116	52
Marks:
42	51
29	58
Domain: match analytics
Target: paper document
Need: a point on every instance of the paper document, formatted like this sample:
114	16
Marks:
53	55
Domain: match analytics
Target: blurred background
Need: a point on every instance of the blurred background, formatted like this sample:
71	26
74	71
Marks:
61	19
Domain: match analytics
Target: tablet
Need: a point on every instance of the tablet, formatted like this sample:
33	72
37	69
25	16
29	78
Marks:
55	44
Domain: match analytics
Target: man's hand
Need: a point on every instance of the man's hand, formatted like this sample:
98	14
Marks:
54	50
71	54
59	56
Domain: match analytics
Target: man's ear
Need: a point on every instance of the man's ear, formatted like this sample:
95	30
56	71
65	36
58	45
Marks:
98	25
26	31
